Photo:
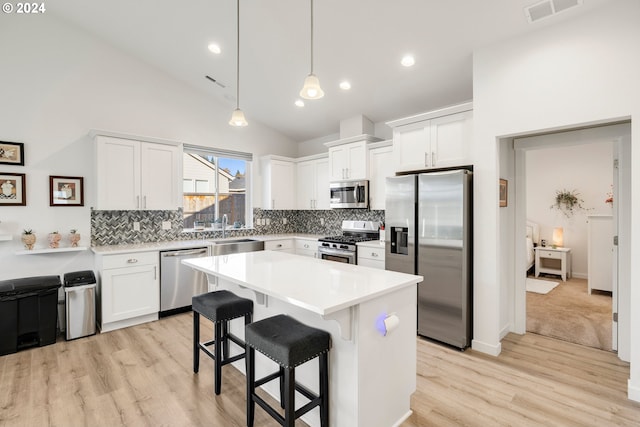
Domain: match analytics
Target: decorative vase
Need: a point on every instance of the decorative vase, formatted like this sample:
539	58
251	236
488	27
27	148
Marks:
29	240
74	238
54	240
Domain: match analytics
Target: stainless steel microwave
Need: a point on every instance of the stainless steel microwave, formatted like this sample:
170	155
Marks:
349	194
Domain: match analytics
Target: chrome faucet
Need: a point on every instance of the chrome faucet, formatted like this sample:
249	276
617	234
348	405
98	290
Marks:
225	220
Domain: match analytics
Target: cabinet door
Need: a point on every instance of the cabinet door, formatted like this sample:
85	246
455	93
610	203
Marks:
411	147
282	193
322	184
117	173
450	140
338	162
357	160
306	185
129	292
161	177
380	167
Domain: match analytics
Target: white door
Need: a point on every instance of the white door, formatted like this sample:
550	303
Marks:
411	147
117	174
322	184
306	185
450	139
160	177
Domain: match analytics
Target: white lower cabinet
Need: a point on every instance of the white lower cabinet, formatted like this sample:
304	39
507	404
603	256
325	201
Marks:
284	245
129	289
369	256
307	247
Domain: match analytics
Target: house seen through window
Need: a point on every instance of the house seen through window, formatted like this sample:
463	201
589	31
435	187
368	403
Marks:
215	185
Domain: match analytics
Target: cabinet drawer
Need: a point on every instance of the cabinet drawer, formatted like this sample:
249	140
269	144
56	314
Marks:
129	259
550	254
306	245
366	252
278	245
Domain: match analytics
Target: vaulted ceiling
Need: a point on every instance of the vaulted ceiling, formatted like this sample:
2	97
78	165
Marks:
361	41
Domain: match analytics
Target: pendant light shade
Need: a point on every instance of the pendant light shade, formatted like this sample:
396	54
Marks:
311	88
237	118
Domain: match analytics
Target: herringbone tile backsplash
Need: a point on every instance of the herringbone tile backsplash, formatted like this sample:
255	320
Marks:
116	227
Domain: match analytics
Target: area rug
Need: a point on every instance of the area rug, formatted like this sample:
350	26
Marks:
571	314
540	286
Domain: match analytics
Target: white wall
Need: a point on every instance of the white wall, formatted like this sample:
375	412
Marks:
588	169
581	72
57	83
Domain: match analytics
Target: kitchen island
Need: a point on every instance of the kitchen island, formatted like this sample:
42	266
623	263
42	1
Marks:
370	314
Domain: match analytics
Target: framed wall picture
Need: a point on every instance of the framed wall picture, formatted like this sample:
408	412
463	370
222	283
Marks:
66	191
13	189
503	193
11	153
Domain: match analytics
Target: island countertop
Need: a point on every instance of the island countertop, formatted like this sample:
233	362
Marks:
320	286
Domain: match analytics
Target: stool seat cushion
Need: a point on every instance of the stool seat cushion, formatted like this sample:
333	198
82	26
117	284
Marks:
287	341
221	305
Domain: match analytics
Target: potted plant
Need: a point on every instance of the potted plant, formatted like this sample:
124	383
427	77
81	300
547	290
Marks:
568	202
54	239
74	237
28	238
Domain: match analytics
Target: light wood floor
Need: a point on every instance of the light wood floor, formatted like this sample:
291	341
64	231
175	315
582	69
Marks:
142	376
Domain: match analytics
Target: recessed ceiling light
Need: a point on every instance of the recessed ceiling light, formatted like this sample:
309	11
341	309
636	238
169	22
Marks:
213	47
408	60
299	103
345	85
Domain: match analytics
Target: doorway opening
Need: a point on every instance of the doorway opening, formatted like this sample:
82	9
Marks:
581	162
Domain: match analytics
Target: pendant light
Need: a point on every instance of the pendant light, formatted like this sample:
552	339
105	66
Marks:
311	88
237	118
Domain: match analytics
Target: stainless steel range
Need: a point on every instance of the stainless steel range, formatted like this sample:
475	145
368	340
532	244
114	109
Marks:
343	248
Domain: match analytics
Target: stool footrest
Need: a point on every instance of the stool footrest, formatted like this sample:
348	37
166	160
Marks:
264	405
266	379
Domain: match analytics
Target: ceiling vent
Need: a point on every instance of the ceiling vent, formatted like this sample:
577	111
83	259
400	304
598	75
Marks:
547	8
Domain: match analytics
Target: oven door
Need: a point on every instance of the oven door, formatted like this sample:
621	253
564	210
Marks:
339	255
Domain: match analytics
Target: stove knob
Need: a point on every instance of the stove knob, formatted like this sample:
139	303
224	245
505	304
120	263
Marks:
344	247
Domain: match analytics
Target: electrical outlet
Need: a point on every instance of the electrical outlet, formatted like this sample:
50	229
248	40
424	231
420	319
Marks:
268	221
321	221
284	221
136	226
166	225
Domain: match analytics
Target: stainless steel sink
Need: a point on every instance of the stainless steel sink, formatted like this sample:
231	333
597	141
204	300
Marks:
235	246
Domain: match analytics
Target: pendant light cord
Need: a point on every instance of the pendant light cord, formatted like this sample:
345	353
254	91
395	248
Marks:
311	37
238	54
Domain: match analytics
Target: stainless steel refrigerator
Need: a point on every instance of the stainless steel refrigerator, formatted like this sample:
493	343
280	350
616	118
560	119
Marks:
428	220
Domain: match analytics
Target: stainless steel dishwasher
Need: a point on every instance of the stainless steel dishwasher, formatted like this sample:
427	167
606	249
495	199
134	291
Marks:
178	283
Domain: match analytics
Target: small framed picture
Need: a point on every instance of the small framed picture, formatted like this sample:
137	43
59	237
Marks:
13	189
12	153
66	191
503	193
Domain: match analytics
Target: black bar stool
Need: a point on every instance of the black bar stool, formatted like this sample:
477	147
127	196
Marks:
289	343
220	307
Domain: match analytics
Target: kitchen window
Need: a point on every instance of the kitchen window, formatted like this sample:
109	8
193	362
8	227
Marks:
216	183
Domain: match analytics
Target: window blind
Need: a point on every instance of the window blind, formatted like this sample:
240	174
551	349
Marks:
218	152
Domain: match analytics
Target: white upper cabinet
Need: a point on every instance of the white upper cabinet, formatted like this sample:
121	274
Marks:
380	167
312	180
438	139
278	187
137	175
348	158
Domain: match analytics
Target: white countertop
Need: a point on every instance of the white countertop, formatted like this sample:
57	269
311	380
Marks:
187	244
320	286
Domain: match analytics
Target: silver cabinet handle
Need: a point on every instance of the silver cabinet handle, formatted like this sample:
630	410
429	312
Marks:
137	202
278	245
433	158
144	203
155	272
306	246
426	159
132	261
374	254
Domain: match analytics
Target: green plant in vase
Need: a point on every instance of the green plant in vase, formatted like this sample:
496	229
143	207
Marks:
74	237
28	238
54	239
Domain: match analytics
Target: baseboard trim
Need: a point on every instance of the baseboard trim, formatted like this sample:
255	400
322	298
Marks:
633	391
490	349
